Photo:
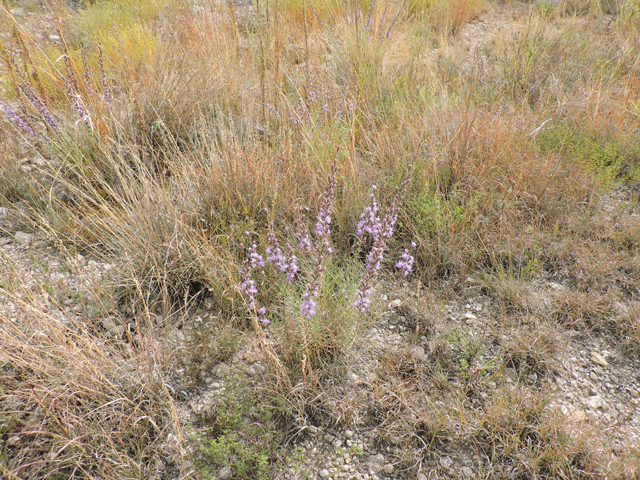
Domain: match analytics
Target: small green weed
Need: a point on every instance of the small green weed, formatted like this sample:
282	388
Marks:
608	159
239	434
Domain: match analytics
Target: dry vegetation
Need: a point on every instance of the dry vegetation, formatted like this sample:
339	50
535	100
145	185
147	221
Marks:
163	138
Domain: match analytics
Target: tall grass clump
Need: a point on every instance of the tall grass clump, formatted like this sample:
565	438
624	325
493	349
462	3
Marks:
72	404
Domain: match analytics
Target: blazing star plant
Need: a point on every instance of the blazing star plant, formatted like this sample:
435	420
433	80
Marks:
372	225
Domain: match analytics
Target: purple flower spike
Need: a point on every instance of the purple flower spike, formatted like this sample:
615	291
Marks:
13	115
405	264
256	259
262	312
308	308
380	229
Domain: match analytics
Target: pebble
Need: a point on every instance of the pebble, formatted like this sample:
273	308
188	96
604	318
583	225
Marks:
225	472
377	462
324	473
23	238
598	359
467	472
388	469
578	415
220	370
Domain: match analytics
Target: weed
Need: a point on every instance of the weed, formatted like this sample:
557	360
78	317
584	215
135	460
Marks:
237	434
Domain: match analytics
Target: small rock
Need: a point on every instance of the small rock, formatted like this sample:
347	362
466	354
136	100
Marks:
324	473
4	241
532	377
594	403
24	238
394	319
467	472
395	440
13	441
376	462
591	416
348	433
469	316
593	377
445	462
578	415
421	476
250	357
598	359
388	469
220	370
510	374
225	472
111	327
312	429
395	303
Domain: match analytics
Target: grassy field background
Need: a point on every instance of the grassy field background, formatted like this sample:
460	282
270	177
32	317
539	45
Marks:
146	147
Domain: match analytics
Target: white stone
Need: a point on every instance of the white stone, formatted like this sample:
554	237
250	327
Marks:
598	359
24	238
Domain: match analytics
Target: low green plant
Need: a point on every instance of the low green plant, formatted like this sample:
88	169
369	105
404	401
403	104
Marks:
608	159
239	434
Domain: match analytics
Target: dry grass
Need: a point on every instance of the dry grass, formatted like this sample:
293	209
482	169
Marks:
209	125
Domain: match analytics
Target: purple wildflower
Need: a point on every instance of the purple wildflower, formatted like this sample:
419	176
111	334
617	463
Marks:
292	269
275	254
323	231
380	229
13	115
405	264
369	220
255	258
308	307
87	78
249	287
105	86
38	104
302	233
262	312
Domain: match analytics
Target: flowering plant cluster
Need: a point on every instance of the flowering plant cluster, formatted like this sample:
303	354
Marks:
372	224
34	102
